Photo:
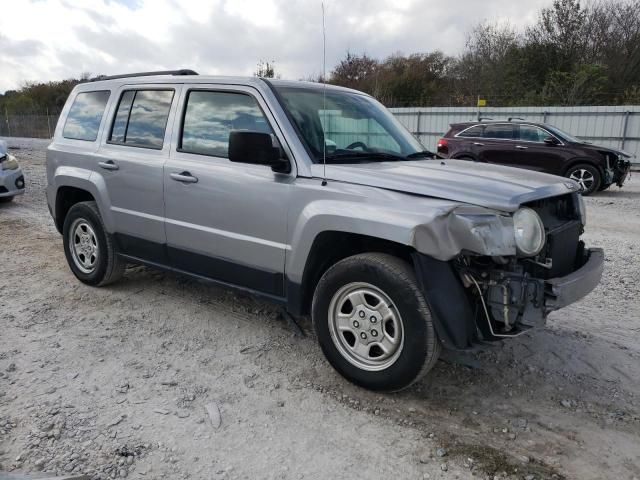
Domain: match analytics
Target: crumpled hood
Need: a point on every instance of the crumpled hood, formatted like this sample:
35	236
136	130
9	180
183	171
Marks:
492	186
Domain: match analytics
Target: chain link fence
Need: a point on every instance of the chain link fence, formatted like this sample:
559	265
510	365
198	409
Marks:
36	125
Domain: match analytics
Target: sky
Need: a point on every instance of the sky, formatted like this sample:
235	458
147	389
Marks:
43	40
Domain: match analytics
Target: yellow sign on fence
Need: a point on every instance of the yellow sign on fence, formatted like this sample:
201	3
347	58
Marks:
482	102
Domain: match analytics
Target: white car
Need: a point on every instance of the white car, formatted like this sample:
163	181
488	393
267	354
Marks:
11	177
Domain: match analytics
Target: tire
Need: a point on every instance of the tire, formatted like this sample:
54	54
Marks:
94	261
6	199
604	187
588	176
375	281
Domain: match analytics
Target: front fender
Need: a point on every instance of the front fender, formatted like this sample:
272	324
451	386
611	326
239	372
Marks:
438	228
466	228
339	216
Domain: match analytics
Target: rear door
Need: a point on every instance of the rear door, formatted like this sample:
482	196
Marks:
131	162
466	144
496	145
224	220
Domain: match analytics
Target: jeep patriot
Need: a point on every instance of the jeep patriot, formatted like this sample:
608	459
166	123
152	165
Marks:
315	197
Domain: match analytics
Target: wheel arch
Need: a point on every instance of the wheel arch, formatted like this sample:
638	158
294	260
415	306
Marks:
328	248
465	155
66	197
580	161
76	186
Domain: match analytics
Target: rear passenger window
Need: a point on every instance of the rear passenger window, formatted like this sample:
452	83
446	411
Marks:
210	116
472	132
499	131
85	115
141	118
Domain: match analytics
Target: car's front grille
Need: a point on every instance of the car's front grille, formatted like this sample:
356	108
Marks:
3	190
563	228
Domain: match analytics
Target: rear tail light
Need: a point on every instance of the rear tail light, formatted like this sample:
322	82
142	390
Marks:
443	146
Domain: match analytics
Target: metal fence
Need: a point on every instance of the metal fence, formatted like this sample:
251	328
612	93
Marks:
616	126
33	125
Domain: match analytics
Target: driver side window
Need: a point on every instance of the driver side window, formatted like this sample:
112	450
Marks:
530	133
210	116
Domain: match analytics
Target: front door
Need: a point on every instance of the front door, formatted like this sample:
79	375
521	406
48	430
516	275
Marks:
226	221
533	153
131	162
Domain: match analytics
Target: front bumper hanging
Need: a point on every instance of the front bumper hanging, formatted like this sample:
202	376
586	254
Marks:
469	306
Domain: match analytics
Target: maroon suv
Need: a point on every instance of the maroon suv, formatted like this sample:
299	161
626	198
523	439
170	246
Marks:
537	146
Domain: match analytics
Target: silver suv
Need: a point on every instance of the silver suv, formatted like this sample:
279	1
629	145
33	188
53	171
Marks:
316	198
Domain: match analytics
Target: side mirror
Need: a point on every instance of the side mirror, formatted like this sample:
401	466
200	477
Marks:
256	148
551	141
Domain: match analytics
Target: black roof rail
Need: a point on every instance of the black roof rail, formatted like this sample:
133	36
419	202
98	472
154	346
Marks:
184	71
511	119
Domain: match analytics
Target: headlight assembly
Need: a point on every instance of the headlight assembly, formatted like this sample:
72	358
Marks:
10	163
582	208
529	232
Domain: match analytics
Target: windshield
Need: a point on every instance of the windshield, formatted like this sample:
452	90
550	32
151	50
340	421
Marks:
563	135
353	127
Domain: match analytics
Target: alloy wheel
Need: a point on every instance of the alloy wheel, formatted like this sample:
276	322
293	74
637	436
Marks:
83	245
365	326
584	177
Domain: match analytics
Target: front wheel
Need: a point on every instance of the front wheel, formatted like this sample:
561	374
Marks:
373	323
587	176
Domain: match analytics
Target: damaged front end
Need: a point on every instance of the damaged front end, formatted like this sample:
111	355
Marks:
618	168
486	297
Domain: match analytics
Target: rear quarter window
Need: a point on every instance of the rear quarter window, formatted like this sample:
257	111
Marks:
475	132
85	115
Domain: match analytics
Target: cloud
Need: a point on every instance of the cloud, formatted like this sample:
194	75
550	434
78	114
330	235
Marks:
54	39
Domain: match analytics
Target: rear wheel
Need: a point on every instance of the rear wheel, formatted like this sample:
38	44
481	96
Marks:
373	323
89	248
587	176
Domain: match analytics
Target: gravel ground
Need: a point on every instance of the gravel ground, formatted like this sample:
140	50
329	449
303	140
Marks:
160	376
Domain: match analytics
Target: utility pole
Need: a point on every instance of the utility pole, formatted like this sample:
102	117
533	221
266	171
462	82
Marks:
48	123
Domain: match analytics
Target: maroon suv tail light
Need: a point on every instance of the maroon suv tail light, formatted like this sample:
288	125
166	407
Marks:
443	146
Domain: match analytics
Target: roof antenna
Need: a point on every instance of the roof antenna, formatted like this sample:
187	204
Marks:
324	102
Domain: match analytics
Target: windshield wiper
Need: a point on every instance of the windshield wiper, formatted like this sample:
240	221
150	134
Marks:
364	156
421	154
